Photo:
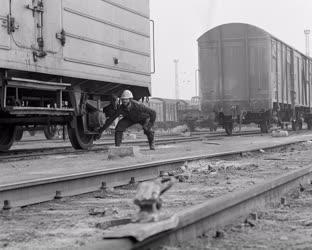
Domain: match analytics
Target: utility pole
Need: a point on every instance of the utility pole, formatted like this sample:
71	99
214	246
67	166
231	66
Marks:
307	35
176	66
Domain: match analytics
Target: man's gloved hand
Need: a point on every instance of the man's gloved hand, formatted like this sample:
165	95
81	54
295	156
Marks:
97	137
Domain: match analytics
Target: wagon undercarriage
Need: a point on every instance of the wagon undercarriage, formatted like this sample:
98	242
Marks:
29	102
286	117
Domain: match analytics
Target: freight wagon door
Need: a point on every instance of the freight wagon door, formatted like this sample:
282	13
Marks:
4	36
52	27
24	36
36	24
234	72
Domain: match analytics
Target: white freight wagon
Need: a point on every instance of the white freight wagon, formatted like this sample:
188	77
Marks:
61	60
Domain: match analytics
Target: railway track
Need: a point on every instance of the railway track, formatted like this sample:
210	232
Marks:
219	212
106	137
196	221
30	153
45	189
190	223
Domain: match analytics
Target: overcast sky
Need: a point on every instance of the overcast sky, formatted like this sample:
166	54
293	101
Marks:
180	22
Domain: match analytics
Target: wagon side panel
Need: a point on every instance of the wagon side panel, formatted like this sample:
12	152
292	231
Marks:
210	82
4	36
259	74
106	40
31	44
284	74
289	78
235	90
296	82
305	82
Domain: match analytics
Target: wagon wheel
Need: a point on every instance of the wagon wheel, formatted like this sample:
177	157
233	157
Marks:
19	133
228	128
50	131
7	136
77	137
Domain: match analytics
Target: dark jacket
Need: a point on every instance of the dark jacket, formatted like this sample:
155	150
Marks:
112	109
138	112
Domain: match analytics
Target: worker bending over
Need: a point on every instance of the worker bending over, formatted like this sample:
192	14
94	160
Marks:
134	112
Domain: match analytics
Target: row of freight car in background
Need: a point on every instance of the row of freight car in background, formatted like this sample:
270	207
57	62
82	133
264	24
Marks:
173	112
170	113
249	76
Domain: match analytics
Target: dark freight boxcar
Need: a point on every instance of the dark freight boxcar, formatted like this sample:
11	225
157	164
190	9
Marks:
247	75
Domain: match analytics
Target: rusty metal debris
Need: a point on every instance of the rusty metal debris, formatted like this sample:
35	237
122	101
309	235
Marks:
148	199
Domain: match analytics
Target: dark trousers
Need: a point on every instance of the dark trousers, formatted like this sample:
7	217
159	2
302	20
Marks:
125	123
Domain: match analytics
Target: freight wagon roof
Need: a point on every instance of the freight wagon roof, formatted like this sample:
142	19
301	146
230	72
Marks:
235	29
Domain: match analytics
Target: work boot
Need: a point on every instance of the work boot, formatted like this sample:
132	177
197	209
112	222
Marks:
118	138
151	142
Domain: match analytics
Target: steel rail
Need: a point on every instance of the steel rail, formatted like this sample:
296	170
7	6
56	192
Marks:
215	213
22	154
105	137
46	189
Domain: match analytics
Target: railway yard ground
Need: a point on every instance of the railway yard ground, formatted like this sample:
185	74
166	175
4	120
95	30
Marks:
227	168
79	221
56	165
39	140
277	226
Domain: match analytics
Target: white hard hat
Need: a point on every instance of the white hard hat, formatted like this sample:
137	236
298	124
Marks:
127	94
